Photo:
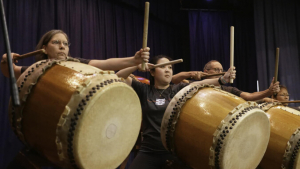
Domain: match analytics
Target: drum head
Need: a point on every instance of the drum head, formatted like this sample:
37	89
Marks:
297	162
108	128
247	142
205	126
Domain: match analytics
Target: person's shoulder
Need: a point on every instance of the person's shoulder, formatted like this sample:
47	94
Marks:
179	86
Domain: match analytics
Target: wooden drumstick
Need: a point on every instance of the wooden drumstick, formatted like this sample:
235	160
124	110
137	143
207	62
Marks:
29	54
276	65
145	34
231	48
168	63
295	101
215	74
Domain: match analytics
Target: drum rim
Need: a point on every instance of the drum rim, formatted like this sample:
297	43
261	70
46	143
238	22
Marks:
25	83
292	146
173	113
138	115
72	112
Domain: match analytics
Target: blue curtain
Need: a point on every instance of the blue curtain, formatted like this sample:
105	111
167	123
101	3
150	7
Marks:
210	40
277	24
97	30
209	37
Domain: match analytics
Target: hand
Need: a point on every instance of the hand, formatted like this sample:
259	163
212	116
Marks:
230	74
274	87
197	75
148	66
142	55
4	58
269	100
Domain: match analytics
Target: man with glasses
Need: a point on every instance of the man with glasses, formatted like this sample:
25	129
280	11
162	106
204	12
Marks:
213	67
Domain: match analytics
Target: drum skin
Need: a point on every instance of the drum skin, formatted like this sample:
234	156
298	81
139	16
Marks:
70	113
215	129
285	123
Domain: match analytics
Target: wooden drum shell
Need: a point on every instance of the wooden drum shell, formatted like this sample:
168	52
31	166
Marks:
68	112
285	123
207	127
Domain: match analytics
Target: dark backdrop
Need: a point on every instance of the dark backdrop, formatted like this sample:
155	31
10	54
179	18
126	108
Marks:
97	30
100	29
277	24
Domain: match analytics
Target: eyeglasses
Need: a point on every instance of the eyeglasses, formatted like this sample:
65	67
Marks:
58	42
216	69
283	95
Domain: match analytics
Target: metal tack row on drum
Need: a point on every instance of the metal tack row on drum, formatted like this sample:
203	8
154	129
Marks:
210	128
283	148
207	127
75	114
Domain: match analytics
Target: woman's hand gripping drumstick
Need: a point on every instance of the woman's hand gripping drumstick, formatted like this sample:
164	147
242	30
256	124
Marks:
16	57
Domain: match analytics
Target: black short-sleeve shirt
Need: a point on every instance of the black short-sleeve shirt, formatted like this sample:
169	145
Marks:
229	89
153	108
232	90
85	61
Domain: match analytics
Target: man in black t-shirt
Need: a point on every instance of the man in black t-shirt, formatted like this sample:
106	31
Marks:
215	66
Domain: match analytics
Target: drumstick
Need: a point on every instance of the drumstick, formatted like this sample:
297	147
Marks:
276	65
145	34
168	63
29	54
231	48
295	101
215	74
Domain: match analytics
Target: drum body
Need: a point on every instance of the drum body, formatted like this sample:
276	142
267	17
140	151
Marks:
76	115
207	127
282	151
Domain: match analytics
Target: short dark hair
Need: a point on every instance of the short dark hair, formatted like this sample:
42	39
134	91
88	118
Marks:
44	41
208	64
154	61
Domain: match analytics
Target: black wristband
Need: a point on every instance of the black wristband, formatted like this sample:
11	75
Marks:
220	81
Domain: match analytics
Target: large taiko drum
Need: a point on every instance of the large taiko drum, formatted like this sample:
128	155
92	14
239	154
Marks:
210	128
76	115
284	144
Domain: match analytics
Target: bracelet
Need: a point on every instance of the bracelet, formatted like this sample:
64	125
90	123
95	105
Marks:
223	80
220	82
